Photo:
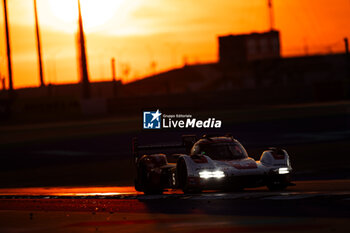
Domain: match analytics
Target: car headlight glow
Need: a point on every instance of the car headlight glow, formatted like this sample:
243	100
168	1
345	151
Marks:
283	170
211	174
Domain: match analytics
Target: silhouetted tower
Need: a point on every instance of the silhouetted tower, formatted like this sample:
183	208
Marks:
271	15
113	69
347	57
9	63
114	76
84	75
3	83
38	45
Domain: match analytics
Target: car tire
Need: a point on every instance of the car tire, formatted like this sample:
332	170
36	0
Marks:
278	182
144	183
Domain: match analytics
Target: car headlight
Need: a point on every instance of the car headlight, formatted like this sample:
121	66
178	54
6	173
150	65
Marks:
211	174
283	170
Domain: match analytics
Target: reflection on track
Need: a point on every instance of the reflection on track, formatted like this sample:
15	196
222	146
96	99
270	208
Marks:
338	189
70	191
310	206
203	196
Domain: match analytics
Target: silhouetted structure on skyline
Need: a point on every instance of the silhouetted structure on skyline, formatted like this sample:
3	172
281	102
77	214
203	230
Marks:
250	71
249	47
114	77
263	82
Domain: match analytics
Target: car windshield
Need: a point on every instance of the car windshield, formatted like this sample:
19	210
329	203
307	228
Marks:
223	151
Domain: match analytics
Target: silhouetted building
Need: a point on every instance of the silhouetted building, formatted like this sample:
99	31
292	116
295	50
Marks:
249	47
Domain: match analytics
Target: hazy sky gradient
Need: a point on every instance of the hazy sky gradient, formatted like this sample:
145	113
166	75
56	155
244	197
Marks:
164	31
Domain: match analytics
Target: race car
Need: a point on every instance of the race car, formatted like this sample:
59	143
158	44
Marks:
209	163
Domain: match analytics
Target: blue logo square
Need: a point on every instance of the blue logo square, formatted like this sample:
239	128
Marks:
152	119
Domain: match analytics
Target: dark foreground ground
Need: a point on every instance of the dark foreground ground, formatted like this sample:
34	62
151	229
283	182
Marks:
310	206
42	222
97	154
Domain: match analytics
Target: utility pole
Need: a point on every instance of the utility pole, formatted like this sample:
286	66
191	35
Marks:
83	58
173	48
42	84
306	47
114	76
347	78
3	83
113	69
272	18
9	64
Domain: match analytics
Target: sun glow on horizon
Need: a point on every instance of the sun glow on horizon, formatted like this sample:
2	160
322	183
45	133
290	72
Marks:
95	13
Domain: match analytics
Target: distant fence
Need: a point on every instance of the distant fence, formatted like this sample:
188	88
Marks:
67	108
205	101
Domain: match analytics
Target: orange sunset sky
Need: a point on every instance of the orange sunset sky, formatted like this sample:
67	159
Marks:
140	32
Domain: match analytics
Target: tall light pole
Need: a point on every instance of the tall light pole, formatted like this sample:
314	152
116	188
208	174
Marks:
271	15
83	58
113	69
114	77
347	57
42	84
9	63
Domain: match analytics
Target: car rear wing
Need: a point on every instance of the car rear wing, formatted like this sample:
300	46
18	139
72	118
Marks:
187	143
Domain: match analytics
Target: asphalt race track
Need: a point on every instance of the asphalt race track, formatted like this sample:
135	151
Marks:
310	206
83	174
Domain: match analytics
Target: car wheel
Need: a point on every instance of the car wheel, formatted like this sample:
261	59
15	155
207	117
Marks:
144	183
278	183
